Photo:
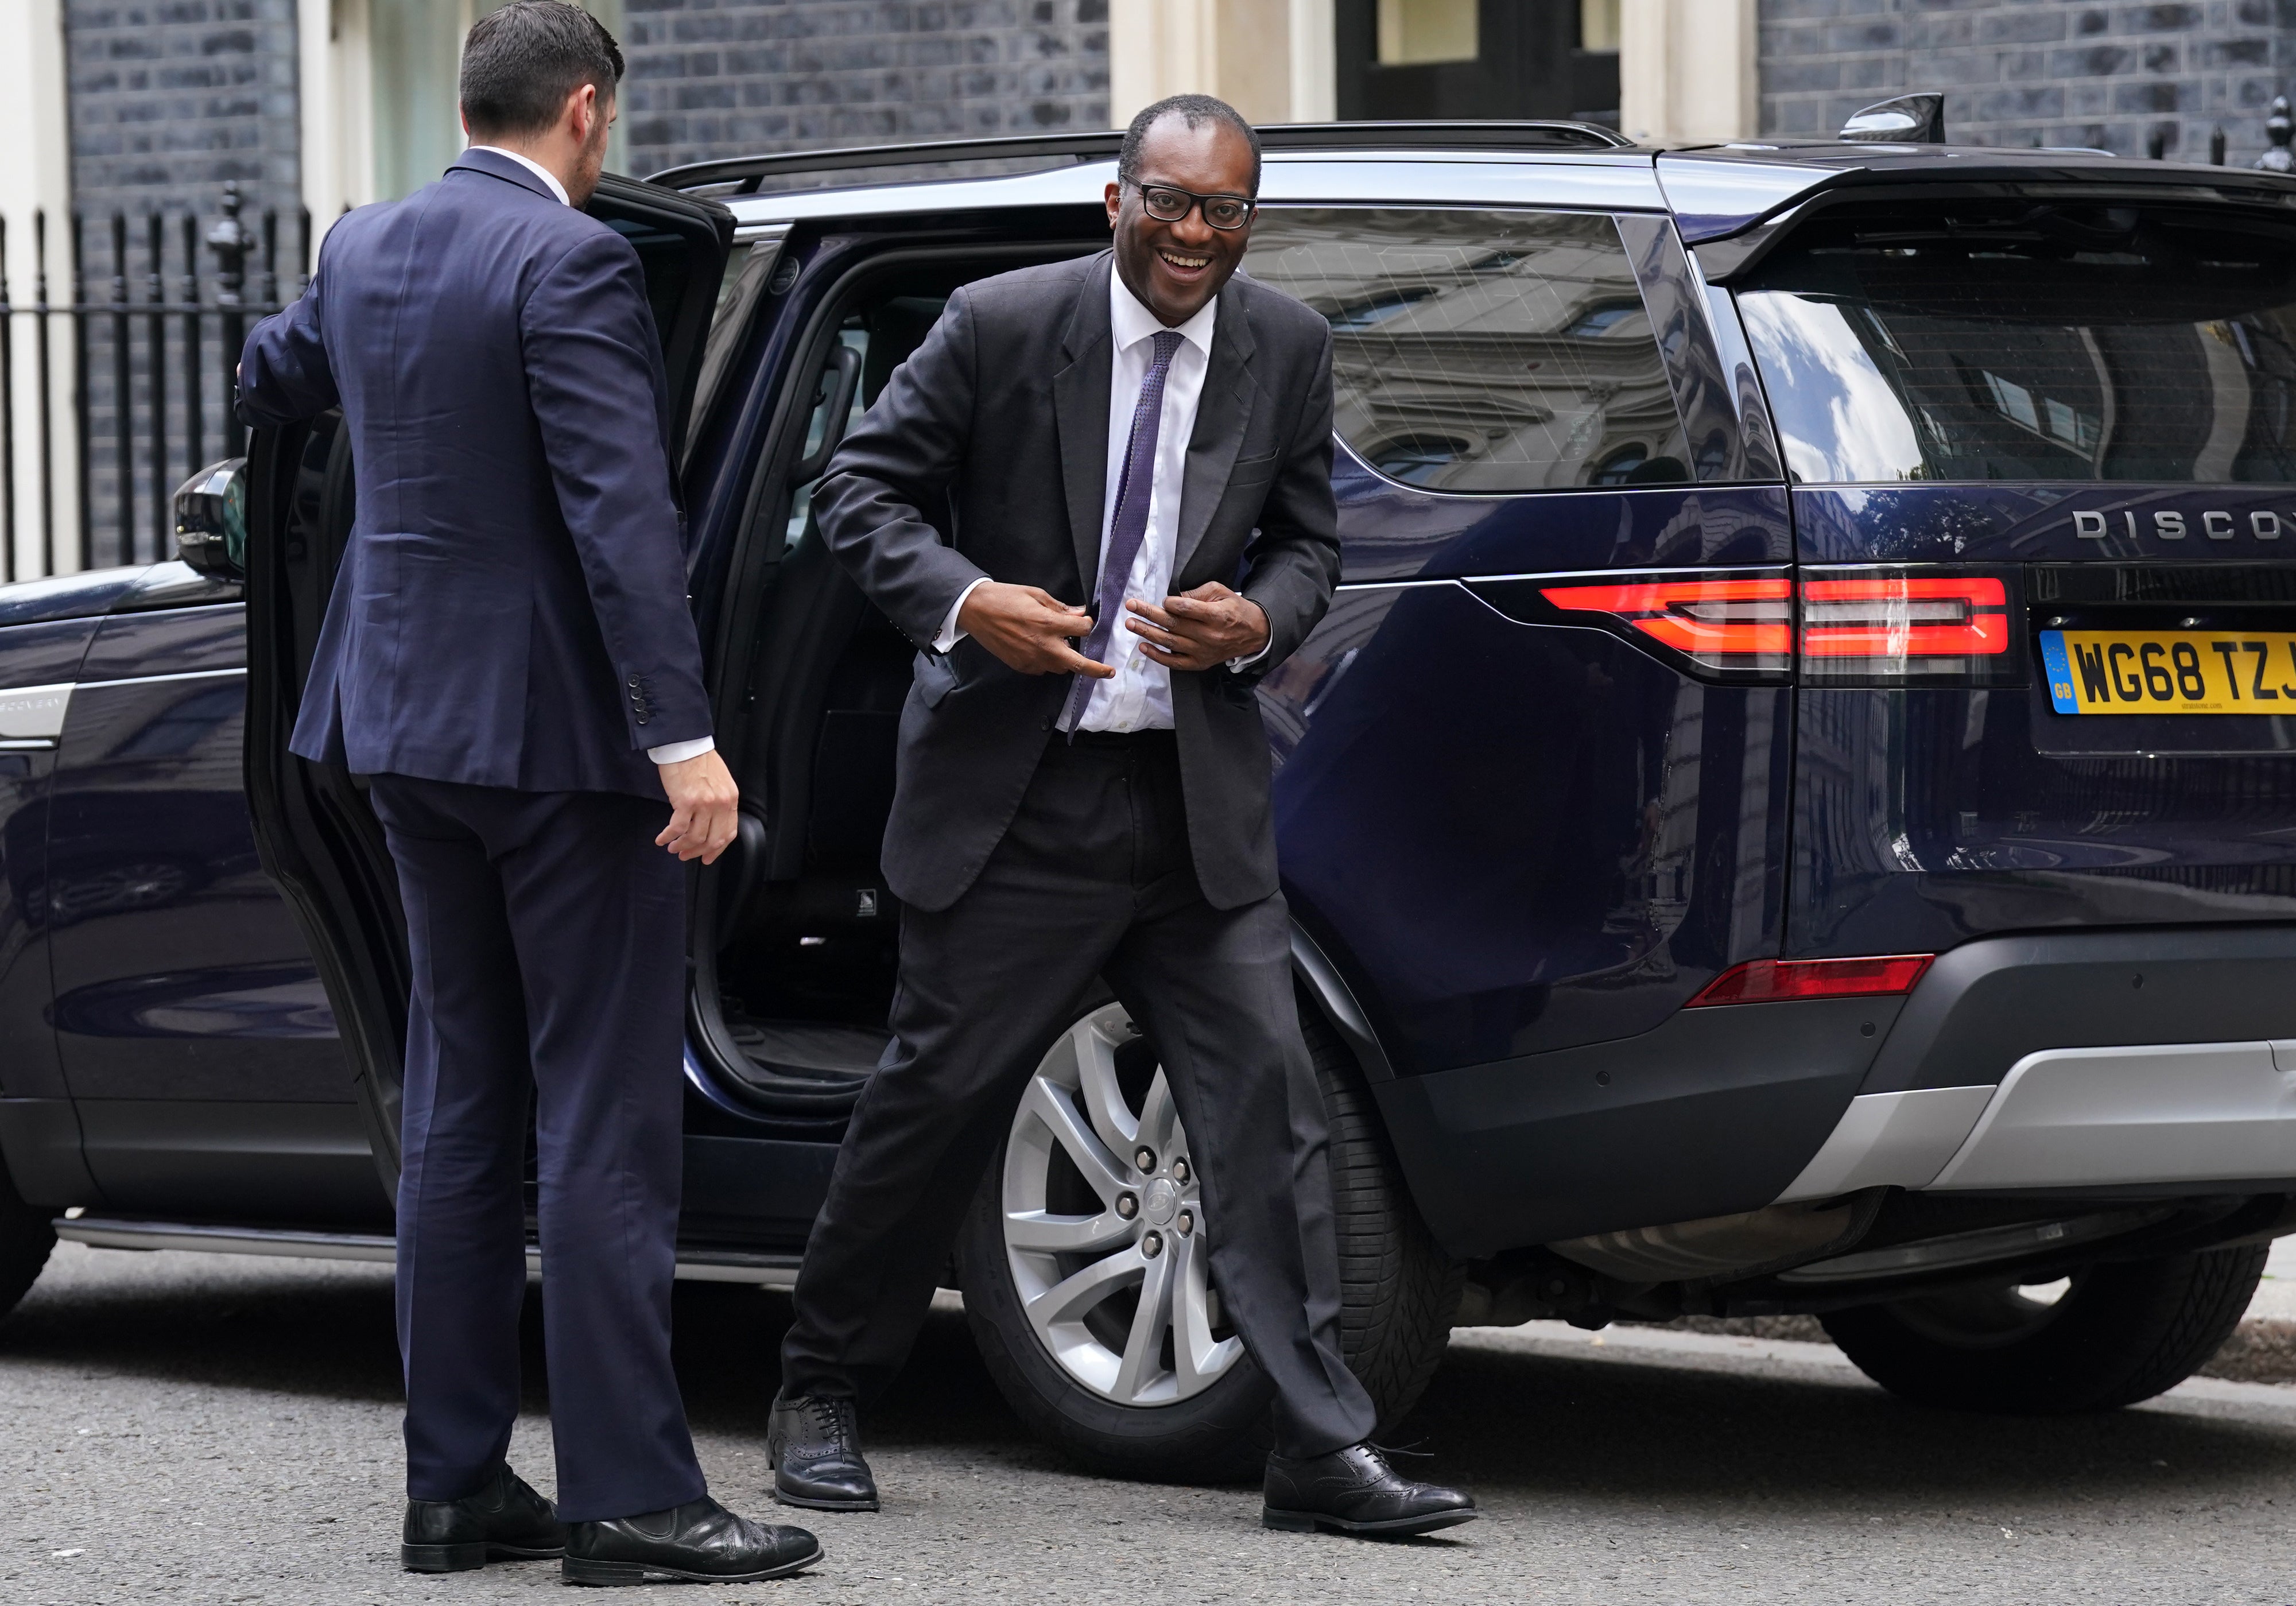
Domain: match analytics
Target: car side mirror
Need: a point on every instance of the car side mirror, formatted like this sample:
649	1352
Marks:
211	519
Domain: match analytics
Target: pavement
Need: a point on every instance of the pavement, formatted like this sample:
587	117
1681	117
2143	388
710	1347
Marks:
2275	1296
178	1428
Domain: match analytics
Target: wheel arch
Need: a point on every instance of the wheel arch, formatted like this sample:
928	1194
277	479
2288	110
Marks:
1335	1001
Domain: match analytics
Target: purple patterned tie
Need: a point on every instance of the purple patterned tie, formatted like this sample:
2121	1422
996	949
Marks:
1129	525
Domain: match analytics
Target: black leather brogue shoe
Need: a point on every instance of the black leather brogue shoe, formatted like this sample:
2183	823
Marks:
504	1520
1355	1491
699	1542
813	1444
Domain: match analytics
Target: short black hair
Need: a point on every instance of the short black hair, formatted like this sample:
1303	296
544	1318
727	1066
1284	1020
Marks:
520	62
1193	110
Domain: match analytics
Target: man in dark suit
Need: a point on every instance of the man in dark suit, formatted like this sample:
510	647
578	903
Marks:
1137	427
508	656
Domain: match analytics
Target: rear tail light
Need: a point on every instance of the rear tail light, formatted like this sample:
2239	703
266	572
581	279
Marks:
1880	625
1774	980
1868	625
1719	624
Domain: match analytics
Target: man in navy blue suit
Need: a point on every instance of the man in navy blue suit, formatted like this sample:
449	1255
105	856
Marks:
509	657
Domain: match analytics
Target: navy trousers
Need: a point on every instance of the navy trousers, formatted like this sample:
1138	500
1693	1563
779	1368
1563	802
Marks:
548	938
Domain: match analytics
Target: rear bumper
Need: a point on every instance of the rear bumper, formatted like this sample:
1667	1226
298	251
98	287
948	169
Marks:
1709	1113
2010	1066
2084	1059
1986	1005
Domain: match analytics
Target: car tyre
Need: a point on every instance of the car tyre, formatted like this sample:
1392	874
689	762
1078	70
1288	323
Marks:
1398	1292
26	1237
2120	1332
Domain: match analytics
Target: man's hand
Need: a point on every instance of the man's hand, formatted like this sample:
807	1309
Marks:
1199	629
703	812
1029	629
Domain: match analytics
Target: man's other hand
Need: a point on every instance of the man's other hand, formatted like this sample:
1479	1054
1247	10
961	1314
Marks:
1029	629
1200	629
704	802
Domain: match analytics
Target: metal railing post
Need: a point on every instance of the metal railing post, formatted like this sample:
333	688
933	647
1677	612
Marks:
78	402
7	409
195	429
123	420
229	241
156	295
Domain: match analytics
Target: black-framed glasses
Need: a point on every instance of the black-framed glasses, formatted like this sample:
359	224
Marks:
1167	204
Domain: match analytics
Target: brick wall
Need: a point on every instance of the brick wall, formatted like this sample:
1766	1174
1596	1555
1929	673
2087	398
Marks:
733	77
2026	72
170	98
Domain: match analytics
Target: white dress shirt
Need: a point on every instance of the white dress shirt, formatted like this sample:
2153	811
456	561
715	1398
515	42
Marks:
1138	697
534	167
668	752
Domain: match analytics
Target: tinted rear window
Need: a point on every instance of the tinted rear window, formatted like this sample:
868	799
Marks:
1482	351
2030	341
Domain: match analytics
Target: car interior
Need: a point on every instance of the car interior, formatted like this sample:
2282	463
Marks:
806	931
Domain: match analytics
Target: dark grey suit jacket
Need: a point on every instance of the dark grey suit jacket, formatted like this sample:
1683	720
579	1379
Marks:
987	454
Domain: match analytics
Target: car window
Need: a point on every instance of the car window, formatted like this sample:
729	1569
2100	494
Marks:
2016	340
1481	351
748	267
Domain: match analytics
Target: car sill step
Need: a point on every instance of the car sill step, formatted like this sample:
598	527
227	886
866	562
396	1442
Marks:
106	1233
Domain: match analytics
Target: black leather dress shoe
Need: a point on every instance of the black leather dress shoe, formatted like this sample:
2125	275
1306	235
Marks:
814	1447
699	1542
1355	1491
504	1521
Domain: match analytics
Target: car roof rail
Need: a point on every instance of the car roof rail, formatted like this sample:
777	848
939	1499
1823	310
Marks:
747	174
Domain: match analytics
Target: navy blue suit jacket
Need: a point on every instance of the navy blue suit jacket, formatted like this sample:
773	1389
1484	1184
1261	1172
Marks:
512	609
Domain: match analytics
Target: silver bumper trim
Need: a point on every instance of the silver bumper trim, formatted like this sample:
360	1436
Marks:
2075	1117
1890	1139
2163	1113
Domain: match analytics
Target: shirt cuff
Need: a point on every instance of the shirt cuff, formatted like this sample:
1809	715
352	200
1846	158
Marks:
949	634
678	752
1236	664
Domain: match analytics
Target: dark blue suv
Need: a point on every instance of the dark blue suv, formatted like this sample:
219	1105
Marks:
1793	807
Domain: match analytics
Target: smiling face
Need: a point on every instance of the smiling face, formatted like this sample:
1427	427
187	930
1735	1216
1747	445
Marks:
1174	269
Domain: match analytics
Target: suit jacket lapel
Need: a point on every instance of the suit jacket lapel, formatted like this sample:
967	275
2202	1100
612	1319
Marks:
1223	413
1081	419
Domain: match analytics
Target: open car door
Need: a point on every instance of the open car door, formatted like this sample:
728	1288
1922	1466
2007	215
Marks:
318	837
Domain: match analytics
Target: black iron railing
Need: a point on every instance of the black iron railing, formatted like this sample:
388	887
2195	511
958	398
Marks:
134	391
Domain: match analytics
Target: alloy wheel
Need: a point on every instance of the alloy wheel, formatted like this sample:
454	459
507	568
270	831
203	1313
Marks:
1103	1223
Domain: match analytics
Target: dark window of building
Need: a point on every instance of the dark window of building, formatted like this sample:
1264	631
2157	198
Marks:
1478	59
1482	351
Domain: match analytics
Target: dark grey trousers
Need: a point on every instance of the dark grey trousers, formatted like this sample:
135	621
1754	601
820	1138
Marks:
1093	878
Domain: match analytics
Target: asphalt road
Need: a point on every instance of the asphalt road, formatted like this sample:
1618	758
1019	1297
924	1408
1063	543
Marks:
178	1428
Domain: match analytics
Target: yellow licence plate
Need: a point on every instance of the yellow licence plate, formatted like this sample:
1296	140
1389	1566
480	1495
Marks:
2170	671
